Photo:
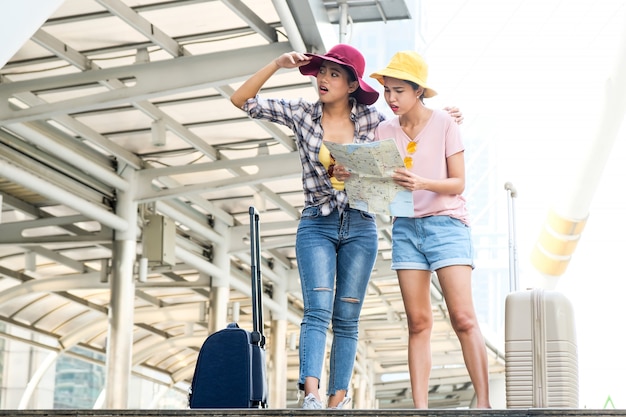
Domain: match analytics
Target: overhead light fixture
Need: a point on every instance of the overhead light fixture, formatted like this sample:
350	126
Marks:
158	132
30	260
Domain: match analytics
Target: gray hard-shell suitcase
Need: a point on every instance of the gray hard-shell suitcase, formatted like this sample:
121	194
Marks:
540	350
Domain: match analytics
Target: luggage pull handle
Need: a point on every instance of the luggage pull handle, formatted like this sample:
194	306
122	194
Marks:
513	264
257	283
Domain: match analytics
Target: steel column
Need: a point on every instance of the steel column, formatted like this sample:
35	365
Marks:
122	303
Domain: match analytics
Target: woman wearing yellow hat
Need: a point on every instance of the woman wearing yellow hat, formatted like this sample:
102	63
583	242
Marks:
438	236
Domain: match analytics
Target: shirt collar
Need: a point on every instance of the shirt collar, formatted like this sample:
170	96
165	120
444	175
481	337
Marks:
317	111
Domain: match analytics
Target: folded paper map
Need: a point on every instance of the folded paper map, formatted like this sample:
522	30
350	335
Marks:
370	187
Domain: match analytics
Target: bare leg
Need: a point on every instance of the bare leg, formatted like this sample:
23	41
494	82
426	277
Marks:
415	288
311	385
336	398
457	290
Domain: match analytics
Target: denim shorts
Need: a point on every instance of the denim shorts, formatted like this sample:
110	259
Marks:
430	243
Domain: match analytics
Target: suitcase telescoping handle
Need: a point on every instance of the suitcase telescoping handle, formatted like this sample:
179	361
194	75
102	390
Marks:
513	269
257	284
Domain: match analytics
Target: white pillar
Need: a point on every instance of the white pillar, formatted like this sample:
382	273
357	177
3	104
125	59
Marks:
121	308
220	288
278	346
359	385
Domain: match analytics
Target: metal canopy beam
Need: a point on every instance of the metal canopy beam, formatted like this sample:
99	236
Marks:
53	191
145	27
271	128
61	50
59	146
254	21
283	160
81	61
368	10
315	28
84	131
290	168
144	81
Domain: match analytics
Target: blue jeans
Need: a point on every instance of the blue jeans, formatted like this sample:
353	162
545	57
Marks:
335	255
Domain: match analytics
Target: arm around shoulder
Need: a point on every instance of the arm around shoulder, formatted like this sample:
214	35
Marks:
455	113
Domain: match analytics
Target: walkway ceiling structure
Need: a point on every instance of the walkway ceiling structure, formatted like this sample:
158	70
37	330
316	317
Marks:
108	87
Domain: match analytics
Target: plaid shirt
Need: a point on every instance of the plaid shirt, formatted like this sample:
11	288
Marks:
304	118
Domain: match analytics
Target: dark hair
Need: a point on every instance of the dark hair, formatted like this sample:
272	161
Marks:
351	78
415	87
351	75
412	84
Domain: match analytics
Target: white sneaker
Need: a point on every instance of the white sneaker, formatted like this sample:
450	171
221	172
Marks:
342	404
311	403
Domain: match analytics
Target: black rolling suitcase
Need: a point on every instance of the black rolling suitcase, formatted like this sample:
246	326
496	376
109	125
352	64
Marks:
230	370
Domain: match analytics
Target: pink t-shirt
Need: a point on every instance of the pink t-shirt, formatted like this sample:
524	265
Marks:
440	138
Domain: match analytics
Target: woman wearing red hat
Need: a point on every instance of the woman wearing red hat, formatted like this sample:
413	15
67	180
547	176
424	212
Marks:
336	245
438	236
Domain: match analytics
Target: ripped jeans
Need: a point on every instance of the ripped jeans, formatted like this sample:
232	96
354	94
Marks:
342	246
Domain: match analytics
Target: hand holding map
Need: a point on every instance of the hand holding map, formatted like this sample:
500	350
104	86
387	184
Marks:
370	187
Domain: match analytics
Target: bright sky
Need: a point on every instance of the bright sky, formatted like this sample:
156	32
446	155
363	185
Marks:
532	74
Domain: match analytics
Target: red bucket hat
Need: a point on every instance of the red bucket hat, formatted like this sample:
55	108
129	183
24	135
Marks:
350	57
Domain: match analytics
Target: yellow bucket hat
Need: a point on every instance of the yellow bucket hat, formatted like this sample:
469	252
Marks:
408	66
